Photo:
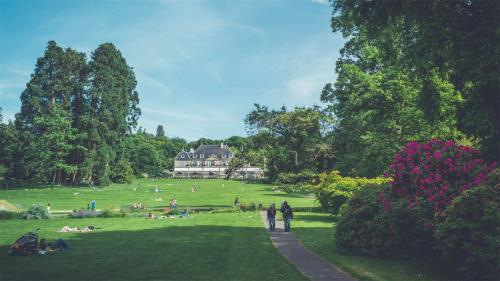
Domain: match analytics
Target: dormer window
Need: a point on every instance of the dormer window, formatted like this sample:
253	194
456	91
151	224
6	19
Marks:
195	156
223	155
202	155
182	156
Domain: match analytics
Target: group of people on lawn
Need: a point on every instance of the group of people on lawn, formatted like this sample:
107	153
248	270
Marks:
287	212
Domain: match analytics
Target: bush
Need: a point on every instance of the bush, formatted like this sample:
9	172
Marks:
469	237
430	175
372	226
36	211
248	207
304	177
122	172
333	190
223	210
82	214
296	182
9	215
111	214
173	212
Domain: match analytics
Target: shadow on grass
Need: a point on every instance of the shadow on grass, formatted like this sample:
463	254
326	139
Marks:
321	241
315	217
168	253
290	195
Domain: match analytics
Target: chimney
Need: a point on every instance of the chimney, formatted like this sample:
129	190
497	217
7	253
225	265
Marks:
191	150
221	145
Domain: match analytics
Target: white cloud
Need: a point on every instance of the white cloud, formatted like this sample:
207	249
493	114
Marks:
322	2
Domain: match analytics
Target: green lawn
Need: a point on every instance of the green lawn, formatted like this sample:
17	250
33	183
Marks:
222	246
231	246
211	193
315	230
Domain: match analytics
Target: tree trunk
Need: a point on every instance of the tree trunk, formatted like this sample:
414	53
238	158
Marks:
74	176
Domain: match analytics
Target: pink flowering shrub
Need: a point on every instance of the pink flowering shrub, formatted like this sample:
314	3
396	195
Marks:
430	175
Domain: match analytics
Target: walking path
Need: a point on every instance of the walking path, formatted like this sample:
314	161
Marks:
311	265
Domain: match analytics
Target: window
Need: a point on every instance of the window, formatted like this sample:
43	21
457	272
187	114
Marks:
223	155
195	156
182	156
202	155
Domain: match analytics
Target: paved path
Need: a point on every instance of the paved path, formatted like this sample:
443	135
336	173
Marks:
311	265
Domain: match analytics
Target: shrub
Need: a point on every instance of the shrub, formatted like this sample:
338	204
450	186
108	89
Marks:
223	210
430	175
469	237
173	212
122	172
111	214
83	214
248	207
304	177
296	182
333	189
36	211
9	215
371	226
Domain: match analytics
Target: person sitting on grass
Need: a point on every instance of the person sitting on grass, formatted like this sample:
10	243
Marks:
151	216
59	245
184	214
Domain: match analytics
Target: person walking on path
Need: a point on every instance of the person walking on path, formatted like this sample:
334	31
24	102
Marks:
287	212
271	217
93	206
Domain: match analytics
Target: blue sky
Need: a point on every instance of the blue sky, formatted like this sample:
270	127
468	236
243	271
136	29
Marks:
200	65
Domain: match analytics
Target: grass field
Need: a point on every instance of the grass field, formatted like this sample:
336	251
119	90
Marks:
316	231
208	246
230	246
210	193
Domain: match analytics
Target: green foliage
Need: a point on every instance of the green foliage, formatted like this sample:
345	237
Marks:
369	227
297	182
82	214
122	172
173	212
334	190
436	43
291	141
160	132
250	207
36	211
9	215
377	105
143	155
107	213
302	177
469	237
74	116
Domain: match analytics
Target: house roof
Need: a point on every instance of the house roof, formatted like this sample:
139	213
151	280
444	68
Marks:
206	151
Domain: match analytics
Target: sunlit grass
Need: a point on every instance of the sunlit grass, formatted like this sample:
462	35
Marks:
210	193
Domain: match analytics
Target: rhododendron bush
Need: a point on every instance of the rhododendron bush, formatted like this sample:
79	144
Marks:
430	175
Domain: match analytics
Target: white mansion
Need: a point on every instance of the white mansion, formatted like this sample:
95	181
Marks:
209	161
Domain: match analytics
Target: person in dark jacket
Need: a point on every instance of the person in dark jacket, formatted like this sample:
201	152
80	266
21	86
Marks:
271	217
287	212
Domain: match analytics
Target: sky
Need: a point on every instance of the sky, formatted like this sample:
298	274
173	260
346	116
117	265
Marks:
200	65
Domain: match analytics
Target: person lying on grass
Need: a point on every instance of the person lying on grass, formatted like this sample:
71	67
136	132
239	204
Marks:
45	247
77	229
